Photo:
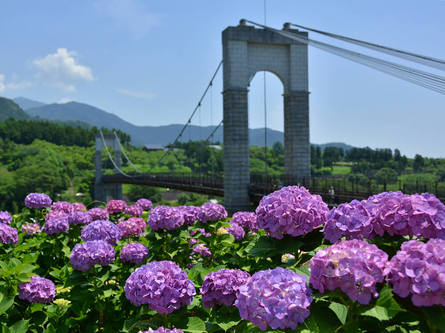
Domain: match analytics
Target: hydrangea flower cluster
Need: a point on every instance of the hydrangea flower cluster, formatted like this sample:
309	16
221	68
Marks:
8	234
145	204
201	250
86	255
78	206
134	226
98	214
354	266
64	206
278	298
161	329
221	287
351	220
165	217
190	213
56	214
163	285
202	231
134	210
5	217
116	206
31	228
246	220
134	253
79	217
101	230
37	200
291	210
418	269
38	290
212	212
236	231
56	226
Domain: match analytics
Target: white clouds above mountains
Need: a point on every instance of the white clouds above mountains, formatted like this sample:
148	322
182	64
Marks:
4	86
137	94
61	70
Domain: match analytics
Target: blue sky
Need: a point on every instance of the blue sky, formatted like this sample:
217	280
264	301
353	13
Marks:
149	61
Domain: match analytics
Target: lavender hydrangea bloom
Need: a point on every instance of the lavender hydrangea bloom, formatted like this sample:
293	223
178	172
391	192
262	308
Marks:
145	204
354	266
37	200
202	231
56	226
8	235
221	287
351	220
5	217
291	210
64	206
236	231
201	250
278	298
163	285
38	290
246	220
31	228
101	230
86	255
134	253
418	269
98	214
134	226
162	330
190	213
116	206
212	212
134	210
164	217
79	218
79	206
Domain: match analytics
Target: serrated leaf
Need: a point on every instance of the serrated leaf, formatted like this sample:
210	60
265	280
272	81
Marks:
20	326
5	304
195	325
340	310
377	312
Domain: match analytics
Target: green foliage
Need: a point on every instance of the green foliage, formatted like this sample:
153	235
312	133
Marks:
386	176
9	109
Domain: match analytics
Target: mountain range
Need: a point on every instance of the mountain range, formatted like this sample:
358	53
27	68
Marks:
74	112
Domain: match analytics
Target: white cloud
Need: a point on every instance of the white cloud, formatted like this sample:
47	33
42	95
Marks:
137	94
61	70
130	15
64	100
12	85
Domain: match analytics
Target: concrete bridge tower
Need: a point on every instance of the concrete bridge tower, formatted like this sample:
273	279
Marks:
246	51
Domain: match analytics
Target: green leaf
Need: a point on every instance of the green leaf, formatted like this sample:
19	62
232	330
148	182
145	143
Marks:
195	325
386	306
20	326
377	312
5	304
340	310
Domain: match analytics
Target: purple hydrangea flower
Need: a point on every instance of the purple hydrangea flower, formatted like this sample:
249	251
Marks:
418	269
201	250
116	206
190	213
202	231
354	266
64	206
37	200
134	210
86	255
38	290
31	228
5	217
56	226
134	226
221	287
101	230
279	298
56	214
246	220
79	206
164	217
192	241
351	220
8	234
291	210
134	253
162	330
98	214
212	212
236	231
145	204
79	217
163	285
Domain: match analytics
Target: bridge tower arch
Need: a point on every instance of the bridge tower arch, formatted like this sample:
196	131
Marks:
104	192
246	51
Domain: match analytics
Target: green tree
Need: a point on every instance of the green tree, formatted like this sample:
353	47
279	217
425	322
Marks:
386	176
418	162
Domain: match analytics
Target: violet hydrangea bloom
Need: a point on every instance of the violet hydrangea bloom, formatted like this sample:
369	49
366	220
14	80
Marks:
8	234
162	330
134	253
86	255
145	204
354	266
38	290
101	230
236	231
31	228
163	285
212	212
418	269
56	214
98	214
37	200
134	226
56	226
5	217
202	231
79	206
79	218
221	287
246	220
134	210
165	217
64	206
190	213
116	206
201	250
279	298
351	220
291	210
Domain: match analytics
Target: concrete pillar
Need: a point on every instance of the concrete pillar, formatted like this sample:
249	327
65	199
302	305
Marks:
297	150
236	150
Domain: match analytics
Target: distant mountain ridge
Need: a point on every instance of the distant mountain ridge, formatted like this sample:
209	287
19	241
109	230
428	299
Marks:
9	109
26	103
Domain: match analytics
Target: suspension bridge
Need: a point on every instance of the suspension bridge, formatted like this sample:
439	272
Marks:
249	48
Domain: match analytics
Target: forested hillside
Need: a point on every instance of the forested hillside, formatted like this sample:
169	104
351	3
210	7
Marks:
9	109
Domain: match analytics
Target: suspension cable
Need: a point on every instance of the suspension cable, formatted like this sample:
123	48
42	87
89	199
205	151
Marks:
118	169
125	155
214	131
